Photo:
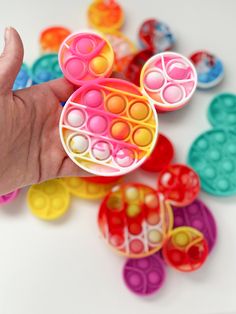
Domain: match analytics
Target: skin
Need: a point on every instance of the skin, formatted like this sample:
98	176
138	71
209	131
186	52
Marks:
30	146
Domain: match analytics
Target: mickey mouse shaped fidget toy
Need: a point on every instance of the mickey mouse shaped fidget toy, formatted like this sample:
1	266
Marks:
109	126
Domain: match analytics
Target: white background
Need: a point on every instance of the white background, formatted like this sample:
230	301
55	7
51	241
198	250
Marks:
65	267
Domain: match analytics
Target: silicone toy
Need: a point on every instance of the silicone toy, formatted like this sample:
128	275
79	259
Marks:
48	200
51	38
89	189
213	153
23	78
185	249
210	69
134	220
144	276
7	198
197	215
102	180
161	156
105	15
46	68
156	35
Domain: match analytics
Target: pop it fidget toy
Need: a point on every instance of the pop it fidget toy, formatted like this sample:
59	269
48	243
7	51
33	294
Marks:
107	126
7	198
156	35
197	215
23	78
48	200
144	276
105	15
51	38
185	249
46	68
102	180
92	190
210	69
213	153
134	220
161	156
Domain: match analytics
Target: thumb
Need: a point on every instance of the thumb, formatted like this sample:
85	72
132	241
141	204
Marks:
10	60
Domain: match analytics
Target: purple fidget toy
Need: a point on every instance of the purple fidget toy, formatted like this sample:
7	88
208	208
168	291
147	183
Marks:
7	198
198	216
144	276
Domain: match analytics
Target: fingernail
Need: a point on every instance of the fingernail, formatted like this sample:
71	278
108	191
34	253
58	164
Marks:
7	33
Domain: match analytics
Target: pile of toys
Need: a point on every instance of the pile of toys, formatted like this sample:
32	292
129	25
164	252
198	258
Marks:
110	126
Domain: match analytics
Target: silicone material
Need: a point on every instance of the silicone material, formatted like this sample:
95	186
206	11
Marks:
51	38
144	276
48	200
197	215
134	221
23	78
185	249
7	198
46	68
161	157
156	35
210	69
88	190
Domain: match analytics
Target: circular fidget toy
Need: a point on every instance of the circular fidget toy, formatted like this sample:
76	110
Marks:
144	276
197	215
46	68
51	38
123	48
23	78
161	156
107	126
185	249
156	35
9	197
105	15
179	184
133	220
213	153
210	69
89	189
48	200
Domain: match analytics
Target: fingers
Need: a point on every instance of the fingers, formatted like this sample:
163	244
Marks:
10	60
61	88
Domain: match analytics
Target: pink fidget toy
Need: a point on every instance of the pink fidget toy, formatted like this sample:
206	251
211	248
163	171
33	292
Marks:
109	126
7	198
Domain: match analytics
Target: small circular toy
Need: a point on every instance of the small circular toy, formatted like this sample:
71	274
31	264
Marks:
144	276
46	68
169	80
134	221
197	215
156	35
92	190
48	200
105	15
179	184
161	156
185	249
222	111
210	69
51	38
9	197
23	78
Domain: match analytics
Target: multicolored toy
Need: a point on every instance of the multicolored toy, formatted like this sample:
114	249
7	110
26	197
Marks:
213	153
52	37
48	200
105	15
156	35
23	78
46	68
9	197
210	69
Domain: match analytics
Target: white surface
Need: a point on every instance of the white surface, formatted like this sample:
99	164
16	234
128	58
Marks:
65	267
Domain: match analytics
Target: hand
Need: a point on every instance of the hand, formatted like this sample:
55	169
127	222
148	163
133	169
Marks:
30	146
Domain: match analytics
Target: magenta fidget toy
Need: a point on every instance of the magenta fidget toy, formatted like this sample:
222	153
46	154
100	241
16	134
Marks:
7	198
